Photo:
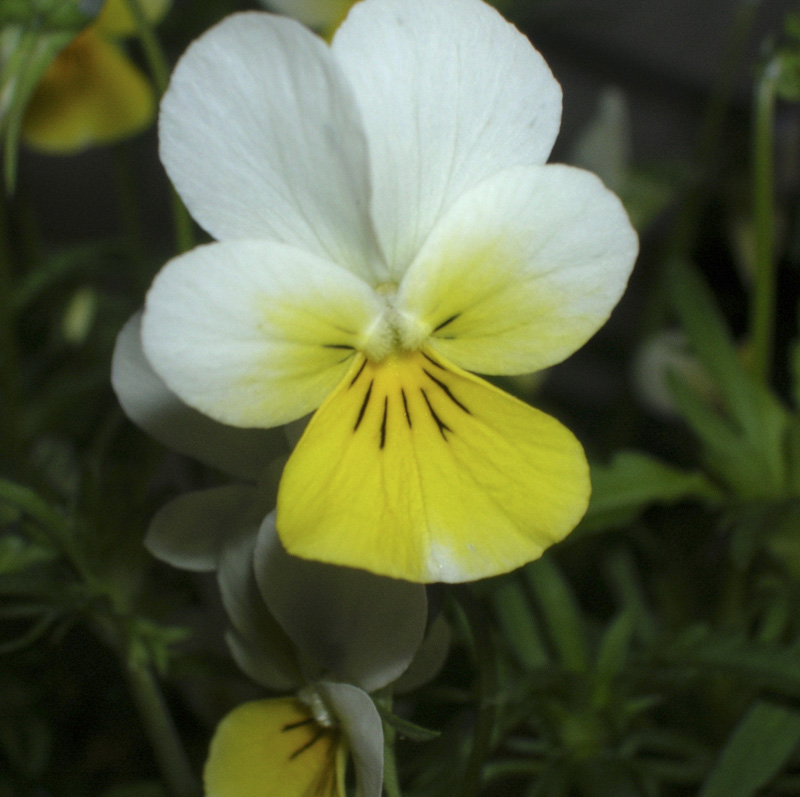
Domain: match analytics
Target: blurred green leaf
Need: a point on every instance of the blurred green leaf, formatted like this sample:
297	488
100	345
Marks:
519	625
632	481
560	611
17	554
50	15
756	751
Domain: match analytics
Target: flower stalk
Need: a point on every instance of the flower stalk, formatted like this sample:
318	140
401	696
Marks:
159	70
160	729
763	303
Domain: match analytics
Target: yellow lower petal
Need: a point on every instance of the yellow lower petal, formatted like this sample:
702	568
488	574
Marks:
418	470
90	94
274	747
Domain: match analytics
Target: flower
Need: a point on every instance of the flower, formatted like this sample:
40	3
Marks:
91	93
330	635
385	224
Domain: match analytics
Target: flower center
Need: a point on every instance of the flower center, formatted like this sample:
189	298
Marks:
394	331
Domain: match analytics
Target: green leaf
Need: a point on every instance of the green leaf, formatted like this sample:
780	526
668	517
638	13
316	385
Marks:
50	15
519	625
632	481
756	664
561	612
17	554
759	747
755	415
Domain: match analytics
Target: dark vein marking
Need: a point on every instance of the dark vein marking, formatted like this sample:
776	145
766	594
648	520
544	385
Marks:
405	407
383	422
439	422
432	361
337	346
447	390
292	725
364	405
310	743
353	380
448	321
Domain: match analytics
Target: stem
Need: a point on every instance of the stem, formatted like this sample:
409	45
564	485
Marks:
159	70
480	631
161	730
762	310
391	781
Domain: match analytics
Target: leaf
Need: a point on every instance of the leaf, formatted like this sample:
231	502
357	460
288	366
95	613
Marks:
756	416
519	625
17	554
561	612
756	664
632	481
756	751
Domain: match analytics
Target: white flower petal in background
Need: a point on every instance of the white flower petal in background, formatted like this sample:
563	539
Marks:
152	406
362	628
450	94
276	334
522	271
261	136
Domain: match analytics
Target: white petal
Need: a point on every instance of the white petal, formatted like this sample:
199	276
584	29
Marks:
450	93
361	723
190	531
523	270
254	334
152	406
363	628
261	137
258	643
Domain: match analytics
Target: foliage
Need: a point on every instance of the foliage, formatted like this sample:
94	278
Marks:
655	652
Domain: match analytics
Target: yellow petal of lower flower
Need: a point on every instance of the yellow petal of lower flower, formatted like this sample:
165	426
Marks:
274	747
90	94
418	470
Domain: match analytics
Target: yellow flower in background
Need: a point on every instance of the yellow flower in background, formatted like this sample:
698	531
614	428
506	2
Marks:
386	223
92	93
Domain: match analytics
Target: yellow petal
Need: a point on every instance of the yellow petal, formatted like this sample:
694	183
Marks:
274	747
115	18
418	470
90	94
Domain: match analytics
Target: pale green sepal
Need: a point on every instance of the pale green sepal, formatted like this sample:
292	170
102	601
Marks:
365	629
429	659
258	643
152	406
266	659
190	531
361	723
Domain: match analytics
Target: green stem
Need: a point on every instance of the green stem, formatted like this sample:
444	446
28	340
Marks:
762	310
391	780
159	70
481	634
161	731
